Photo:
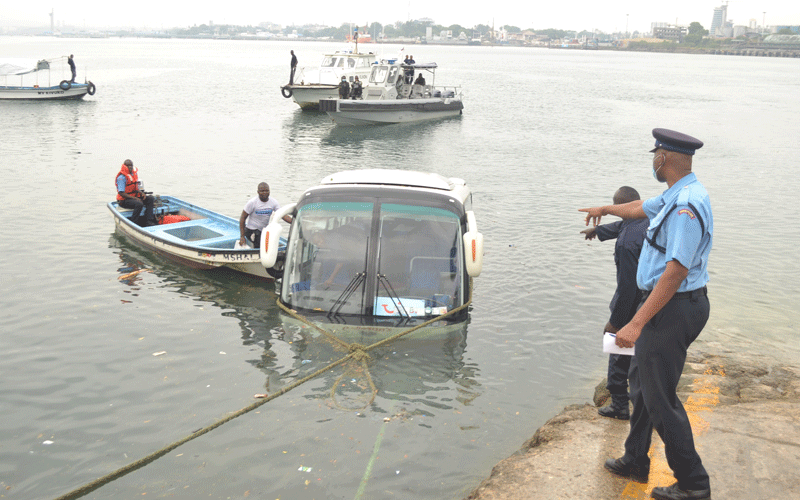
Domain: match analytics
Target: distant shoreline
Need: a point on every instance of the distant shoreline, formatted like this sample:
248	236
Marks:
770	50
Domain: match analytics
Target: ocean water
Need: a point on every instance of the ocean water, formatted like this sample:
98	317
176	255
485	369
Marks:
544	132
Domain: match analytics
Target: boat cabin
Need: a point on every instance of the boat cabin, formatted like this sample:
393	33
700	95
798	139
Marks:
378	247
392	79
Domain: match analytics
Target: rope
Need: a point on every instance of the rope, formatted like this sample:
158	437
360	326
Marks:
356	352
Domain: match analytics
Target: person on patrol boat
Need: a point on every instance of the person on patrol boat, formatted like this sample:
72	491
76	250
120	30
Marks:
131	195
672	274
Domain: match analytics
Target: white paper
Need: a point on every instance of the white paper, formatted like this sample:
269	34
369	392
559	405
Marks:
610	345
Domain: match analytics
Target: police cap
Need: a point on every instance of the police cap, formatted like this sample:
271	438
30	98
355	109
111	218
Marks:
675	141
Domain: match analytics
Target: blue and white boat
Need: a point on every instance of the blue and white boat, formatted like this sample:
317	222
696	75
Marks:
29	72
198	237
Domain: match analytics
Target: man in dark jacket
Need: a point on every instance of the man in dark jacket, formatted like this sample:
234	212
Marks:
71	63
629	234
293	68
344	88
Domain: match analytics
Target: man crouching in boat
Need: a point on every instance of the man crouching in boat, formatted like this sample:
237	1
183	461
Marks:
255	216
130	195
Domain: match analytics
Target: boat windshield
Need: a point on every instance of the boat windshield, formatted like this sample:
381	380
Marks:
328	62
374	258
378	74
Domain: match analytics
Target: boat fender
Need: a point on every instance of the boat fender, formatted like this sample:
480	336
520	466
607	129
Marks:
286	91
473	247
65	85
91	88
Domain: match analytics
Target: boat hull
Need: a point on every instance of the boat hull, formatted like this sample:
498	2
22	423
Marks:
205	242
76	91
378	112
308	96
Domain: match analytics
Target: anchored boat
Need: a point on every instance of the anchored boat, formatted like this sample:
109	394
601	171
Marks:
194	236
29	72
378	248
324	83
394	95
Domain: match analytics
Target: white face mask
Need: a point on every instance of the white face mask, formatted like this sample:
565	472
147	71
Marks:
655	171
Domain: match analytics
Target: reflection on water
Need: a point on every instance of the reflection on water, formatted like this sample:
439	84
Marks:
401	373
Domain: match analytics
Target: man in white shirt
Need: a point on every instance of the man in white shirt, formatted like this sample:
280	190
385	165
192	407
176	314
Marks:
255	216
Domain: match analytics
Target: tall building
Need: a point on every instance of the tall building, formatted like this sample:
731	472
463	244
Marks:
719	20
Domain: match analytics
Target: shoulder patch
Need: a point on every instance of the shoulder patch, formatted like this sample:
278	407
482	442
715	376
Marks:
686	211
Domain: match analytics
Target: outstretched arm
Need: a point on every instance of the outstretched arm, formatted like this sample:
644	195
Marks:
632	210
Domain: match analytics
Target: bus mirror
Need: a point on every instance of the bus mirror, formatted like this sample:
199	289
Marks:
473	247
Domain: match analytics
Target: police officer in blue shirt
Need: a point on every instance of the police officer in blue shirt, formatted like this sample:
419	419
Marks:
672	274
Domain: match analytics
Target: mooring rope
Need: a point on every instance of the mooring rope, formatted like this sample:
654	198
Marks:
356	352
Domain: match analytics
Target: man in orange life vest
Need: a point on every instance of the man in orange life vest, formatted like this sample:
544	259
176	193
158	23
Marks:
130	195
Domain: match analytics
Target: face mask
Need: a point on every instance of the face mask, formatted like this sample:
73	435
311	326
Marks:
655	171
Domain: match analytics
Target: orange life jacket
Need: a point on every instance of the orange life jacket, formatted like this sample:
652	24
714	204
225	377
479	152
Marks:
131	182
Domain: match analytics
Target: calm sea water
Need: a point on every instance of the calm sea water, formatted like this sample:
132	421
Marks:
544	132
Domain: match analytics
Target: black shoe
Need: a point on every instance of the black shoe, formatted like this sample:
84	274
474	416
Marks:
675	493
628	470
611	412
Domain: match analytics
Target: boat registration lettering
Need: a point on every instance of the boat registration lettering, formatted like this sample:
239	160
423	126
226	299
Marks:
237	256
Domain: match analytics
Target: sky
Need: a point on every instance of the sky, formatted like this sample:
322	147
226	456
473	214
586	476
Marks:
579	15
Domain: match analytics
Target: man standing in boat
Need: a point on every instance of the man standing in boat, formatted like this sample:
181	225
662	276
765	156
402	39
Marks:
71	63
293	68
255	216
130	195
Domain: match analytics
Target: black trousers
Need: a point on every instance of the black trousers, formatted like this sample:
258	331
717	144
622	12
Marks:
254	235
137	204
618	366
654	374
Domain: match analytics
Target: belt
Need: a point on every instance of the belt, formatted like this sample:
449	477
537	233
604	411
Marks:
700	292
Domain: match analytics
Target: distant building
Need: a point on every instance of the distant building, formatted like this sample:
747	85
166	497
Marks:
719	20
793	29
664	31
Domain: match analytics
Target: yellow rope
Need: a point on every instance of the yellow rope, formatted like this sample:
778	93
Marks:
357	352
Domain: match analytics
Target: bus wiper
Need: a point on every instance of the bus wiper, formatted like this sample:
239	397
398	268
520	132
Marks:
383	280
346	293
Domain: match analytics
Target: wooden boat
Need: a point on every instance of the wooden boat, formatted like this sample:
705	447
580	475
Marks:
392	96
203	239
28	71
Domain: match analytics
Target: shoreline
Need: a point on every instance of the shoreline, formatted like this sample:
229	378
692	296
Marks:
744	409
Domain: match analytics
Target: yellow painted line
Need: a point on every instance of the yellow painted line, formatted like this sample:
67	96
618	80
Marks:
704	398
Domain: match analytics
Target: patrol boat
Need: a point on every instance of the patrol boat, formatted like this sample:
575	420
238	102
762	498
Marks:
392	96
324	83
30	87
377	248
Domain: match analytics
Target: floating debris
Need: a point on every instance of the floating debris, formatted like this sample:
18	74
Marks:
305	469
260	396
131	275
159	353
48	442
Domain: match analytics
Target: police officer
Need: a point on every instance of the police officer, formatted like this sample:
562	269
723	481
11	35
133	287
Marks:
672	273
629	234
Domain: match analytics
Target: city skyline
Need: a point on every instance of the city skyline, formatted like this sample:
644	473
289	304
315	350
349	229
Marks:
578	15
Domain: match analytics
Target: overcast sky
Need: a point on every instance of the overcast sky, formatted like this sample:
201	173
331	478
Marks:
571	14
